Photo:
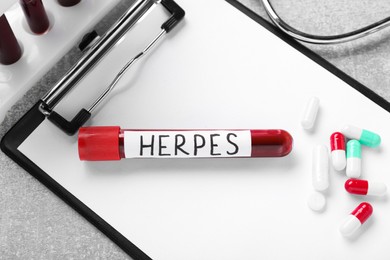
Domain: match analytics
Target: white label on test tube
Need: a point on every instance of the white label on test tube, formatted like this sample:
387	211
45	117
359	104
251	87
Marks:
187	144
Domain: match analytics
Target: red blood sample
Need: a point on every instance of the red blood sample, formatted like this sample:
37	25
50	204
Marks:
108	143
36	15
271	143
10	51
68	2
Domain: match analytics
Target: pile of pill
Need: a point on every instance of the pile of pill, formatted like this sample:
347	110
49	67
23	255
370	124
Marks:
345	154
354	185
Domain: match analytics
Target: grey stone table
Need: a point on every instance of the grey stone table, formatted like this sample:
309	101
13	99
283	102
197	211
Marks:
35	224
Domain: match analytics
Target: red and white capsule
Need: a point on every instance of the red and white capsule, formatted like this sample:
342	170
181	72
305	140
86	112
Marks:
337	148
364	187
357	217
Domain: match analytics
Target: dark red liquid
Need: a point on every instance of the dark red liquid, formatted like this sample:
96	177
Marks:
271	143
68	2
10	51
36	15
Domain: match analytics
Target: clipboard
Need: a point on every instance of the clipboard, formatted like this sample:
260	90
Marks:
225	170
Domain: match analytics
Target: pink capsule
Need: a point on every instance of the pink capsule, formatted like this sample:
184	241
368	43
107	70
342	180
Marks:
363	187
357	217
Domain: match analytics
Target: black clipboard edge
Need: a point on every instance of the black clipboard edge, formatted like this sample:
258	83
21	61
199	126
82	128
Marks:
33	118
9	145
313	56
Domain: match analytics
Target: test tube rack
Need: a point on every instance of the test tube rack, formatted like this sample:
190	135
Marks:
68	25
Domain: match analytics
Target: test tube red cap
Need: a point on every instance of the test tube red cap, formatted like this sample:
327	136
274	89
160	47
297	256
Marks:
99	143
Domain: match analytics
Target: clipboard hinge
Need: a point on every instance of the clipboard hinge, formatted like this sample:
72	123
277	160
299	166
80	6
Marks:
69	127
72	126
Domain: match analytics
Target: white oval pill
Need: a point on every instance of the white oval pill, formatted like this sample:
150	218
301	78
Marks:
310	113
316	201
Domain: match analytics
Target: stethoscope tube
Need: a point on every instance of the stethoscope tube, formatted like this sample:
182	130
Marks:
318	39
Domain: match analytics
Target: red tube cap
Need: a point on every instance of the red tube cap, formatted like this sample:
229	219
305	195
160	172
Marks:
100	143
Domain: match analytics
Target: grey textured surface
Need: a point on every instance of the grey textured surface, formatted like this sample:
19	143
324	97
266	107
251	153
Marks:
35	224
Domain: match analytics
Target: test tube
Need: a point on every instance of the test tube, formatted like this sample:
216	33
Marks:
103	143
10	51
68	2
36	15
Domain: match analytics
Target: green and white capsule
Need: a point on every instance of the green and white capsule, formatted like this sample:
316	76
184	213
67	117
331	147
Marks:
365	137
354	159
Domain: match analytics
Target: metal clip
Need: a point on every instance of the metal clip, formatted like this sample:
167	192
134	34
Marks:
94	54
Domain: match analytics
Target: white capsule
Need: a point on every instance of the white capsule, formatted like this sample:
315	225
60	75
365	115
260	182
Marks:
357	218
364	187
310	113
350	225
320	171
